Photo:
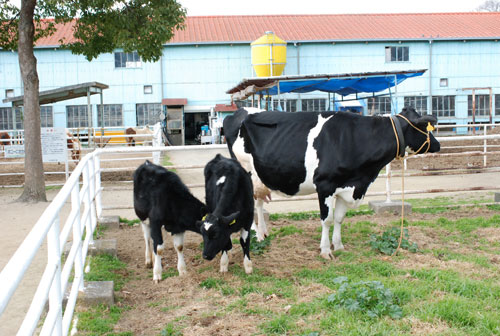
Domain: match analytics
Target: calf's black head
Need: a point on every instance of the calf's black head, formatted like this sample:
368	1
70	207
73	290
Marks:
216	233
415	139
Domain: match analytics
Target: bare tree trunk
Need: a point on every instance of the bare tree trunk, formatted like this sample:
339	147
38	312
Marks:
34	183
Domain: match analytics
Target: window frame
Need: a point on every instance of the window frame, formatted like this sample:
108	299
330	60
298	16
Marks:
419	103
82	116
153	111
313	105
127	60
46	116
447	102
482	105
379	101
7	111
397	54
113	115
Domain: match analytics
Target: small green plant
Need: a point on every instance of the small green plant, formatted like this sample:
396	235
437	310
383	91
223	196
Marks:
368	297
211	283
388	241
129	222
258	247
106	267
170	330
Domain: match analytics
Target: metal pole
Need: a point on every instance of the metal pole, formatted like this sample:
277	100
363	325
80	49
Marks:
89	116
474	111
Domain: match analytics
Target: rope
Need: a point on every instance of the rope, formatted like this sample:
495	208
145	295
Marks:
428	142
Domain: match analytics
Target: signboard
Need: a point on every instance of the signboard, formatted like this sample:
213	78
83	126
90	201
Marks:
54	146
14	151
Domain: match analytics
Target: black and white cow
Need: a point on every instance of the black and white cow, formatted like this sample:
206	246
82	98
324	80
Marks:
230	206
161	196
336	155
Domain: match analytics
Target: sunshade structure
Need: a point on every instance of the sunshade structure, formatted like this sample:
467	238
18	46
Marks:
342	84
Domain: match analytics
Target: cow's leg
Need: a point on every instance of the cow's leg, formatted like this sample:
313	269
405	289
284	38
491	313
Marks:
179	246
158	249
245	245
338	218
326	212
224	258
146	230
261	222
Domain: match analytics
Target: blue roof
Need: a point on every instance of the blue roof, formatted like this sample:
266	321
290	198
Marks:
342	84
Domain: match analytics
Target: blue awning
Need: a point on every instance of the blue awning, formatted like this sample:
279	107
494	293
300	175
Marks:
342	84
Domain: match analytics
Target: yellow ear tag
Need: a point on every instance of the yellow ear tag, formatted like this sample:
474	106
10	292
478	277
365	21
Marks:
204	217
234	221
430	128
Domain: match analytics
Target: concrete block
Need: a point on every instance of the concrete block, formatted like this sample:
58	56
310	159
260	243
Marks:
393	207
266	216
497	197
94	293
100	246
111	222
103	246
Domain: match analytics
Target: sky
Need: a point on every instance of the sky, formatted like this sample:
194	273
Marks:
263	7
268	7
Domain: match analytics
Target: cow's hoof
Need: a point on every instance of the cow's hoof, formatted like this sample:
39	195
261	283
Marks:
327	255
156	281
182	272
149	264
339	248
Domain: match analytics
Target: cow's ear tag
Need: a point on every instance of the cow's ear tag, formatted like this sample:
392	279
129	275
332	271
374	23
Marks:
232	222
430	128
203	219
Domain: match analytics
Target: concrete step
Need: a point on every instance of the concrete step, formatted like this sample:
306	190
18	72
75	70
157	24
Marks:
392	207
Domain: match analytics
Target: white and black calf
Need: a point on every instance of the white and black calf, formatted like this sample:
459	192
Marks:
161	196
336	155
230	206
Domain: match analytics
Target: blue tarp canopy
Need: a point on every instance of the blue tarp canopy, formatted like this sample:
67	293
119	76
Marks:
342	84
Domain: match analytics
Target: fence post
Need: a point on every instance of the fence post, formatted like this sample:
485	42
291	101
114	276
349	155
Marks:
98	196
485	146
388	183
156	142
77	235
55	295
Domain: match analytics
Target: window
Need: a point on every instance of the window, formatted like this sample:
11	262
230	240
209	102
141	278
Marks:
7	118
443	106
397	54
148	89
112	115
9	93
148	114
243	103
77	116
127	60
443	82
291	105
482	105
46	116
419	103
379	105
313	105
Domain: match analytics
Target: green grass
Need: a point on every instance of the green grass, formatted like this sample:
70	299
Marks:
439	294
165	161
129	222
100	320
107	268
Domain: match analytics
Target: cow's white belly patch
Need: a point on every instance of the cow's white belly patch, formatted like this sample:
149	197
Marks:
311	160
347	194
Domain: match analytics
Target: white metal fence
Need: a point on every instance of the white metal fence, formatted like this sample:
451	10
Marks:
86	207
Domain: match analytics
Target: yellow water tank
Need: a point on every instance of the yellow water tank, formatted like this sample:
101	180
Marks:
268	55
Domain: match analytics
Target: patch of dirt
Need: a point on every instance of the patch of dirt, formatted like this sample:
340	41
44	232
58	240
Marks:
199	311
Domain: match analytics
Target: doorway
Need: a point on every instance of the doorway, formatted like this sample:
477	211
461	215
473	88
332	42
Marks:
192	126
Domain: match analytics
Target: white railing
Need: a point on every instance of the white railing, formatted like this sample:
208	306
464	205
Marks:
81	222
86	208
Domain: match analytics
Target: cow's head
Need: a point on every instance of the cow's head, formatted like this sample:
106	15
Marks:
216	233
415	138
